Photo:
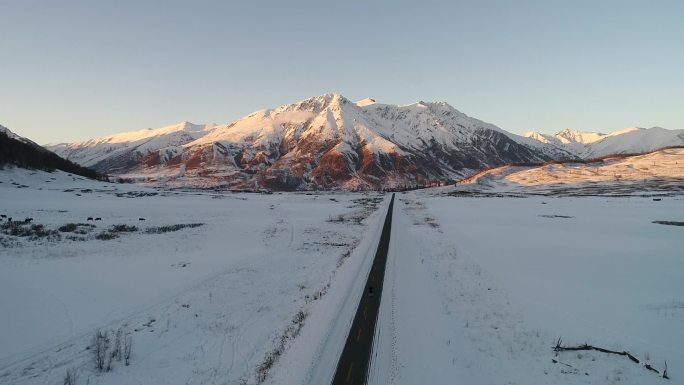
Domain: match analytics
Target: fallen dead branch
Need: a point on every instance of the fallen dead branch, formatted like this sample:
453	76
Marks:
560	348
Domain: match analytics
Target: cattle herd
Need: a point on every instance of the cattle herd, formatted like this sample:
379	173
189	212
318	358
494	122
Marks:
10	219
4	217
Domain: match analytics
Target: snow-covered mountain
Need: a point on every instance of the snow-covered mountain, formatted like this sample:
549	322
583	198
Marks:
329	141
321	142
658	172
589	145
122	152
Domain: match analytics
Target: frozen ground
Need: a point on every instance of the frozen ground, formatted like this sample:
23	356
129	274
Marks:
204	305
477	290
482	288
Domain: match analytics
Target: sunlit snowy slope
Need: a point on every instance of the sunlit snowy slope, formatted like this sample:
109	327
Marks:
325	142
329	141
657	172
590	145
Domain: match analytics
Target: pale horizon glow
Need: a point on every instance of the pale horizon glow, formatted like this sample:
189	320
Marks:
76	70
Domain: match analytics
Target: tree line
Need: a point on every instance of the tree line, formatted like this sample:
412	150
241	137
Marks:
25	155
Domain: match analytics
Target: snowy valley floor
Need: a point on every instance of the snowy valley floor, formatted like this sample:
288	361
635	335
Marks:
204	305
483	287
477	290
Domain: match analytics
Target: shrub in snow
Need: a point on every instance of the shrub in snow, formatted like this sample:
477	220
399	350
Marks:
116	348
171	228
68	228
106	236
128	345
78	228
106	350
338	218
70	377
123	229
32	232
272	357
100	349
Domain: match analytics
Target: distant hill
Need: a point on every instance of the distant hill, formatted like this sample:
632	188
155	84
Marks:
21	152
659	172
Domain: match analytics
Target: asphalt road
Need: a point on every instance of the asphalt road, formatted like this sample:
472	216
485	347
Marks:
355	359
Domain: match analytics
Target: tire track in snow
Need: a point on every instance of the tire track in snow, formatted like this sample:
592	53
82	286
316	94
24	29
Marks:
67	315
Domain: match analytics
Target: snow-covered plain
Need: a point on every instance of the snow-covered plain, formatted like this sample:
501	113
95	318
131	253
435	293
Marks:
483	287
204	305
477	290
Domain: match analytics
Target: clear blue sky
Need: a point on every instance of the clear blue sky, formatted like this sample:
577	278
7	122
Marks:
78	69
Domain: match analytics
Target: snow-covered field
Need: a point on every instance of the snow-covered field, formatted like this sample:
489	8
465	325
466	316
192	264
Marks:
477	290
481	289
204	305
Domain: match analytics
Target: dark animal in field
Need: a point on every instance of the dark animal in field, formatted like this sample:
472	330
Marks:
28	220
141	219
98	219
9	219
89	219
3	216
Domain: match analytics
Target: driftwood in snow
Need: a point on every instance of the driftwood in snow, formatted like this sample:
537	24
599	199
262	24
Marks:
560	348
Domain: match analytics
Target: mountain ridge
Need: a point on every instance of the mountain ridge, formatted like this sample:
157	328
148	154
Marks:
326	141
588	145
18	151
329	141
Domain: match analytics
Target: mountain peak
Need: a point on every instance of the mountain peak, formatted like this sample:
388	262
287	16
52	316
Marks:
327	141
432	105
329	97
588	145
546	139
365	102
582	137
316	103
568	133
323	141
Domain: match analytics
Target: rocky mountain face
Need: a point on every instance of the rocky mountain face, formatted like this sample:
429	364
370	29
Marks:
323	142
330	142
